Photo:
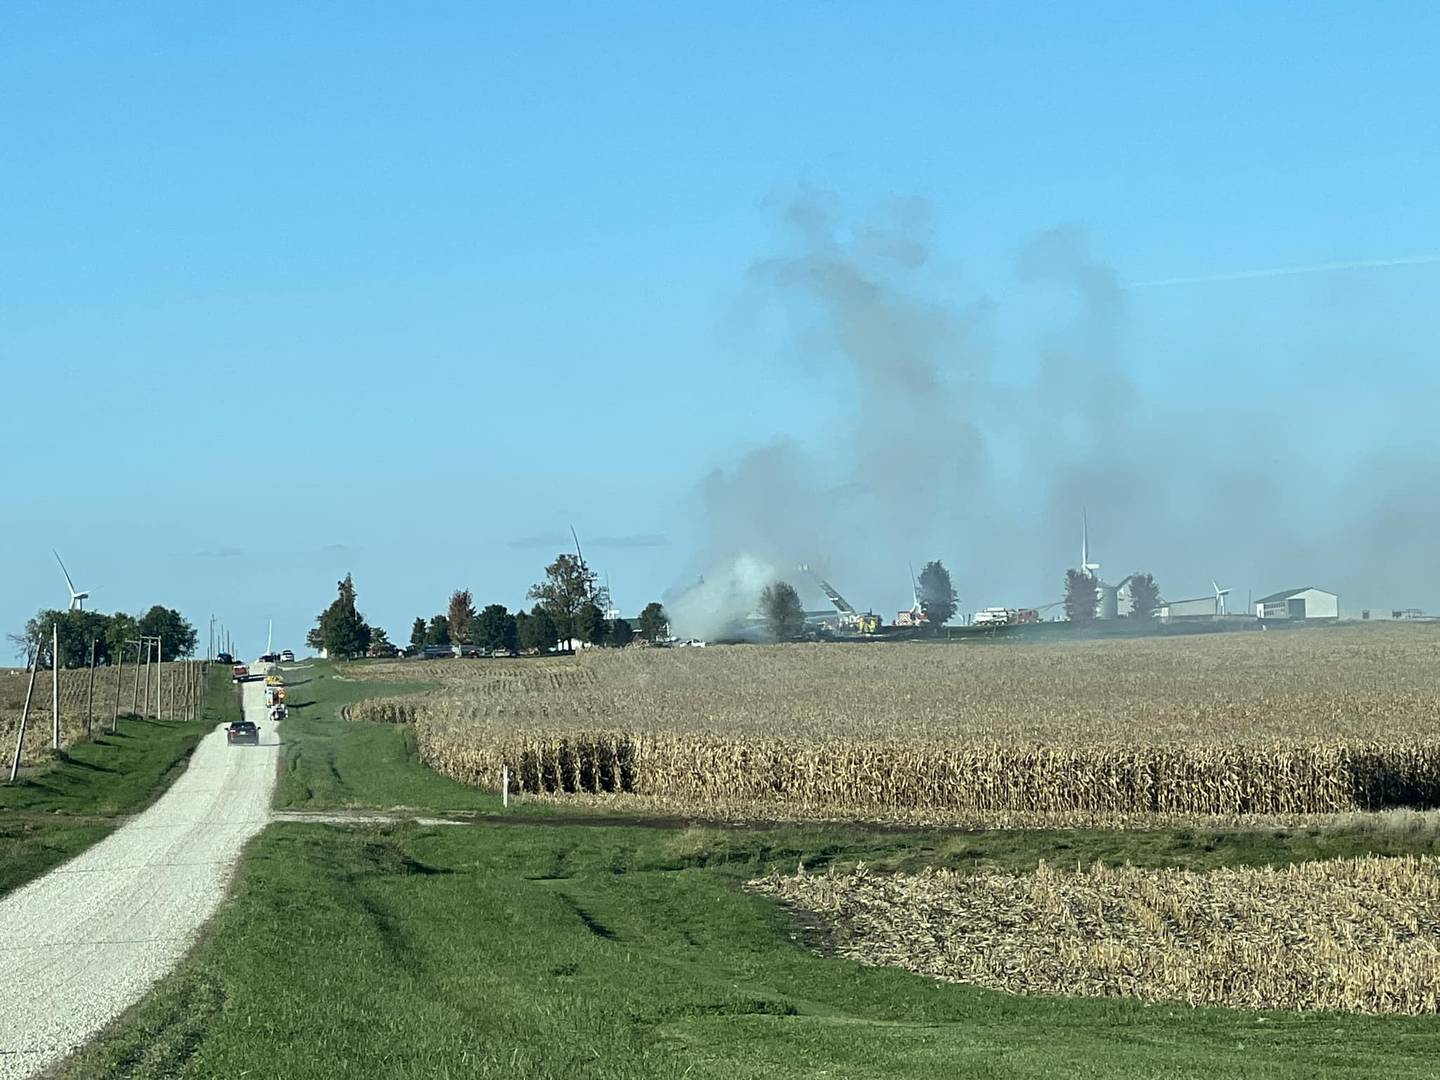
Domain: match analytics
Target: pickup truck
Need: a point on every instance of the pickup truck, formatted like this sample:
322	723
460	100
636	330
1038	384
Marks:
242	731
240	673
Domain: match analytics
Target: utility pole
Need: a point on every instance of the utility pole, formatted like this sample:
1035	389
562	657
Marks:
145	706
25	715
135	693
90	696
55	686
119	675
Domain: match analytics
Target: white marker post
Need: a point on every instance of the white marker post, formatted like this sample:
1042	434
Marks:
504	785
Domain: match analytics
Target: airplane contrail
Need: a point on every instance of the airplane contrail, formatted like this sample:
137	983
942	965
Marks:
1286	271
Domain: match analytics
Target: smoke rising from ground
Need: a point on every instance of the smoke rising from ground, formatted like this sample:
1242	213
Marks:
988	464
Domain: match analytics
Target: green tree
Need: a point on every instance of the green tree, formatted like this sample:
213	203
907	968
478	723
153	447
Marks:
590	625
937	594
522	630
177	636
79	630
783	614
568	586
340	629
120	628
1082	593
539	629
378	636
417	634
495	628
1144	595
621	633
654	623
75	629
460	615
438	632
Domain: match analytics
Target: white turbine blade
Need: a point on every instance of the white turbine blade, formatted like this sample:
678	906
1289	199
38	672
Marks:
68	583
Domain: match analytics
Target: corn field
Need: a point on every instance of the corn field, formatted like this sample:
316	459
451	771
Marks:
74	693
1285	725
1345	935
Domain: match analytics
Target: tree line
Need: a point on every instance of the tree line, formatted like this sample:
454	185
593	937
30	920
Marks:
570	606
80	631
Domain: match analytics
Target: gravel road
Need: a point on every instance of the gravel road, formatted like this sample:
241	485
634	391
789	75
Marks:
86	941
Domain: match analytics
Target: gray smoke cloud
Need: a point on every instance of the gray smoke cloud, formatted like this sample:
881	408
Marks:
950	457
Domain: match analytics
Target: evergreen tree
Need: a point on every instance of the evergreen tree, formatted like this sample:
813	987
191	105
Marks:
1144	595
590	625
340	629
438	632
495	628
540	632
784	616
937	594
654	623
1082	593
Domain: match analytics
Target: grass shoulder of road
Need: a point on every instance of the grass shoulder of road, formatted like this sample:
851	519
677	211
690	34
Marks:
332	763
54	813
566	951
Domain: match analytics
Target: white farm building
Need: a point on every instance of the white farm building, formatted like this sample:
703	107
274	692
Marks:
1306	603
1189	609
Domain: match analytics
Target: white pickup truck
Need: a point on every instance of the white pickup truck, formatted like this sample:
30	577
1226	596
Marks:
991	616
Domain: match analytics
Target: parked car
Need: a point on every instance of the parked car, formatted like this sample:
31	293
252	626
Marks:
224	658
286	656
240	673
243	731
439	652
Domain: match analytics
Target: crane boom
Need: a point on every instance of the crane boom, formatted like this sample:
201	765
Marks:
841	604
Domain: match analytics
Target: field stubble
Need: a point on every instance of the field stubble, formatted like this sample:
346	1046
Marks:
74	694
1282	725
1352	935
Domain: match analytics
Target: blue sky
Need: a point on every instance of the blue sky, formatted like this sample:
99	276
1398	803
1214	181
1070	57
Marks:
406	290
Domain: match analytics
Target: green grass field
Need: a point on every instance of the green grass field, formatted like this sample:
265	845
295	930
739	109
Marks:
334	764
545	951
597	949
54	813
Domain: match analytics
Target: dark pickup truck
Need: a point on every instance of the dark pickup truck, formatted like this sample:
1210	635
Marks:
242	731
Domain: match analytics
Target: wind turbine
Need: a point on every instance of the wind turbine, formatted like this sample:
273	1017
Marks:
1086	566
1220	595
77	599
589	585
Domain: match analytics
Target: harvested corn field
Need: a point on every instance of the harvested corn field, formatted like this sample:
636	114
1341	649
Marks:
1281	725
75	699
1345	935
